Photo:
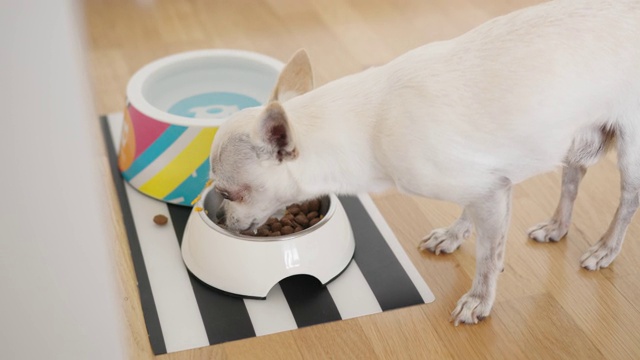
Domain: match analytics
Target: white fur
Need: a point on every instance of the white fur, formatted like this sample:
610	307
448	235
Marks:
461	120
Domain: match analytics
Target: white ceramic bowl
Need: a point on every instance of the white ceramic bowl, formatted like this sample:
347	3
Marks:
175	105
251	266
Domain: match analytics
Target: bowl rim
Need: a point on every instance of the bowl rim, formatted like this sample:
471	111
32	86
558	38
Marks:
212	225
136	82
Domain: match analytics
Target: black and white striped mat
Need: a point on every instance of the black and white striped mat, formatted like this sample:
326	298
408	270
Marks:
183	313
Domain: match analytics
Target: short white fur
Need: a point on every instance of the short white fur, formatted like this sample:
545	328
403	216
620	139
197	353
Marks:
459	120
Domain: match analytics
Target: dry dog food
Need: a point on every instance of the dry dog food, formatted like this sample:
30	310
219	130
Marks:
160	219
297	217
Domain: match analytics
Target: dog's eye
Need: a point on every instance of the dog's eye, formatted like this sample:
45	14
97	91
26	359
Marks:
224	193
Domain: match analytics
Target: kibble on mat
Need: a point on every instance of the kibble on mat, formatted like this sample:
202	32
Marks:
160	219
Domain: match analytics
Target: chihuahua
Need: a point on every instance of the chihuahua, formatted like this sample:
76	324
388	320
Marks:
463	120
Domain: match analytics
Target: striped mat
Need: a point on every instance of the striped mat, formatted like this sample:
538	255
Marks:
183	313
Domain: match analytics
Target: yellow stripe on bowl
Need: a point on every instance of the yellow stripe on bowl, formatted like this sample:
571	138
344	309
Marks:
181	167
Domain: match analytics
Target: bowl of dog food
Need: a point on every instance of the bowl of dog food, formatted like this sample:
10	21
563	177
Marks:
174	107
310	238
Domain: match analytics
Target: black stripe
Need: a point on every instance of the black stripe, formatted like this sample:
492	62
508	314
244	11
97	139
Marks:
144	287
225	318
389	282
309	300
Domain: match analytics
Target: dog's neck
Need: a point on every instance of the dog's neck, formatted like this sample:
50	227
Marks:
333	128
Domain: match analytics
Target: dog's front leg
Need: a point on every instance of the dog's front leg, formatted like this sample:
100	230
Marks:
490	216
448	240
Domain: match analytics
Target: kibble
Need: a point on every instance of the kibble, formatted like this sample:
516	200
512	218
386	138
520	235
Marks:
297	217
287	216
160	219
301	219
314	205
304	208
263	232
287	222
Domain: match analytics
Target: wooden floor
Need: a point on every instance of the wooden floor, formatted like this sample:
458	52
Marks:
547	307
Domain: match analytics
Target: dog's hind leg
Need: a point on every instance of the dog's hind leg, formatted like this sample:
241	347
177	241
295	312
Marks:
490	215
607	248
557	227
447	240
587	148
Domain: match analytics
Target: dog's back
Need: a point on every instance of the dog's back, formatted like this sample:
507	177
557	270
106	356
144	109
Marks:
510	96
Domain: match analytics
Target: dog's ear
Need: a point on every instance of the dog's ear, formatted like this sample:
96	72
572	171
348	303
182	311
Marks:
295	79
276	133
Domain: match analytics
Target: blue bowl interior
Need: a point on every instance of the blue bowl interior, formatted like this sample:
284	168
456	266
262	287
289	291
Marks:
209	87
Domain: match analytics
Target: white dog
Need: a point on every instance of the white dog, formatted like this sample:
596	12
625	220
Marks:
460	120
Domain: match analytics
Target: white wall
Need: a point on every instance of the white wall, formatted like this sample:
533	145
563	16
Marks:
58	293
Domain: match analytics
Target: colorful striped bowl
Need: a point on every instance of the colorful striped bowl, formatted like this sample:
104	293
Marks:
174	107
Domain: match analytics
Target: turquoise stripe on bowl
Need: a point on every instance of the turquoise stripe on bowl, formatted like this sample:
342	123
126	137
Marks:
168	137
192	186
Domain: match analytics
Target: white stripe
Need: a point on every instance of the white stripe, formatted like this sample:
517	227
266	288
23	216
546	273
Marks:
397	249
177	200
166	157
271	315
114	121
352	295
178	311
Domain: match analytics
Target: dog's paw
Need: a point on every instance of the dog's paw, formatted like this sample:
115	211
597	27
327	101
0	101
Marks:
599	256
471	309
443	240
551	230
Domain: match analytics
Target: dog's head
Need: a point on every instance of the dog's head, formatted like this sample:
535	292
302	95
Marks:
250	152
